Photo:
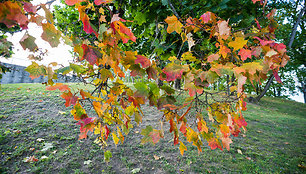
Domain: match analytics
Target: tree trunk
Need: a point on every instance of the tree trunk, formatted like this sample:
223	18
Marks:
177	84
263	92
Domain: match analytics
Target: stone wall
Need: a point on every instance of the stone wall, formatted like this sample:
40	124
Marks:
19	75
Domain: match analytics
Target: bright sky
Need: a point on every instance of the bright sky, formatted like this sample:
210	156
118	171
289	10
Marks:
59	54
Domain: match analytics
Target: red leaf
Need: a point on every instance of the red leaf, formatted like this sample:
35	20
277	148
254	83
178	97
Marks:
241	122
72	2
144	61
214	144
28	7
244	54
124	32
11	14
86	25
264	42
58	86
155	136
174	71
206	17
281	48
70	99
183	128
89	54
277	78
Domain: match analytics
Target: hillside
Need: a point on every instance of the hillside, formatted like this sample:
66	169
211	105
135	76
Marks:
36	123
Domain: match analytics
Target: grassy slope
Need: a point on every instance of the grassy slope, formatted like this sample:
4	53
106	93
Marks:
275	141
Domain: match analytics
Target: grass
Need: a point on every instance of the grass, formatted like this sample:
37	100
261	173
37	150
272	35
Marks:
274	143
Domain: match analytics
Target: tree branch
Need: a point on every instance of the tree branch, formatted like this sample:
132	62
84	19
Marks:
292	36
173	10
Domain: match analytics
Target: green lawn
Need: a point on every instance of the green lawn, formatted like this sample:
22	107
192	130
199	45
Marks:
35	122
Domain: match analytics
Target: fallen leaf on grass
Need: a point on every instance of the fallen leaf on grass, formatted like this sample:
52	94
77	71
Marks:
32	149
30	159
40	139
286	142
156	157
302	166
39	100
54	152
248	158
136	170
87	162
44	158
239	151
259	131
61	112
17	131
47	146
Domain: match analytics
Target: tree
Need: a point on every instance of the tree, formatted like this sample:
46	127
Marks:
291	30
210	49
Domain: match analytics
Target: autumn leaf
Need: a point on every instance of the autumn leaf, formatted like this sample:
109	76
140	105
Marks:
90	54
59	86
36	70
11	15
182	148
224	30
28	41
30	8
245	53
144	61
277	78
99	2
252	67
50	34
70	98
238	43
241	82
174	71
226	141
173	24
206	17
190	41
224	51
213	57
124	32
72	2
202	126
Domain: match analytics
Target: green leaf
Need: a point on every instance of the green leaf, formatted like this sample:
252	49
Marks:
77	68
107	156
102	29
140	18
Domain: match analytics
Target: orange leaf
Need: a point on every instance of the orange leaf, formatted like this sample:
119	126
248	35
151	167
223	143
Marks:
99	2
58	86
213	57
202	126
174	24
224	51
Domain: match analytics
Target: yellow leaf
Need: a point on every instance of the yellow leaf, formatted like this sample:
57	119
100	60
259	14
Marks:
174	24
115	138
120	134
182	148
238	43
156	157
